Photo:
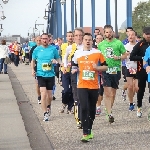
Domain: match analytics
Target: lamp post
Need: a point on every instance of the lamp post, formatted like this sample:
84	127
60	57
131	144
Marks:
75	3
72	15
63	2
5	1
116	20
2	17
59	17
1	28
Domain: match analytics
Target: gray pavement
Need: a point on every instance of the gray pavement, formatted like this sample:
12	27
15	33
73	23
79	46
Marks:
126	133
13	135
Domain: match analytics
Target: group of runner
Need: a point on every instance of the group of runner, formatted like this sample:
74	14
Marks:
90	69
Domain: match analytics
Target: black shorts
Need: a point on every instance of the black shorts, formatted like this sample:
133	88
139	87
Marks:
124	73
27	55
130	75
47	82
111	80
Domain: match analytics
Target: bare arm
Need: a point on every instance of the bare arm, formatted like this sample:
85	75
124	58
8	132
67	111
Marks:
32	67
65	60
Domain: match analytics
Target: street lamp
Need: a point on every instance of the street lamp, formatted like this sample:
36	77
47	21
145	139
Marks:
1	29
62	2
5	1
28	31
2	17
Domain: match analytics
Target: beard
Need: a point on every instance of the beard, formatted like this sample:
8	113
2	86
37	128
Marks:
109	37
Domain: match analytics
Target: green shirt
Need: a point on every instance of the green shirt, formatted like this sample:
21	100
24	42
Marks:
109	49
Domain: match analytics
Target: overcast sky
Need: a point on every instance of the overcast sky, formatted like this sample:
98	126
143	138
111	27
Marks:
21	14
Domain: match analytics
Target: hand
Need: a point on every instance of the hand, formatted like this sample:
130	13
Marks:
116	57
148	69
95	66
64	70
74	71
54	61
33	73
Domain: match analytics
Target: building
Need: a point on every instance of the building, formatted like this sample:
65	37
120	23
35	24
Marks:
89	29
13	38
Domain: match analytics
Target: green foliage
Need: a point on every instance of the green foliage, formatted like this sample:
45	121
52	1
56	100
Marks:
122	36
141	16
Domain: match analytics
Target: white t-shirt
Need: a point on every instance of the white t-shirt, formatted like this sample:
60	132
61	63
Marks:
130	64
68	51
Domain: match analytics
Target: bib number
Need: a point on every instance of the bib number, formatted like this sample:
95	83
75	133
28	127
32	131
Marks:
88	75
112	70
46	67
132	71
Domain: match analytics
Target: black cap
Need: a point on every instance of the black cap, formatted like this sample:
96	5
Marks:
146	30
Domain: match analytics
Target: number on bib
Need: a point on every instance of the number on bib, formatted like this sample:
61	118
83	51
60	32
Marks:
46	66
112	70
88	75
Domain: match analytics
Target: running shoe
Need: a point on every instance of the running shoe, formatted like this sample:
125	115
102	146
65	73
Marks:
63	108
131	107
70	112
139	112
85	138
91	135
123	95
39	99
46	117
111	119
79	125
49	110
98	111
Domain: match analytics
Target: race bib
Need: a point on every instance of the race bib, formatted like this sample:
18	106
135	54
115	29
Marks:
112	70
132	71
46	66
88	75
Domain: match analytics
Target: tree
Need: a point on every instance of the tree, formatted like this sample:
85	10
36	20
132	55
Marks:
122	36
141	16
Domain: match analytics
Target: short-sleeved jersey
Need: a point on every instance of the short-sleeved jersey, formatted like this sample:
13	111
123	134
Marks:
109	49
44	57
88	76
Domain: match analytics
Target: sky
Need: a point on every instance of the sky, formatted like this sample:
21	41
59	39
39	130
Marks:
22	14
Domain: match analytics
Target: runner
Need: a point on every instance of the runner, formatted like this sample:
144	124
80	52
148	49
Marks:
38	43
114	51
131	68
146	66
45	56
78	39
86	59
67	97
137	54
125	41
99	38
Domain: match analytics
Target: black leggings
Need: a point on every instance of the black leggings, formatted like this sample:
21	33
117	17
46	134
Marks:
88	99
142	79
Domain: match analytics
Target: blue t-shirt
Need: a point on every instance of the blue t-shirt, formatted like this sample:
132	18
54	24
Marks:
44	56
31	44
147	59
125	41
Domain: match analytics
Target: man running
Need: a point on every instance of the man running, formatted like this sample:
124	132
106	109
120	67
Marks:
38	43
87	59
131	68
137	54
45	56
114	51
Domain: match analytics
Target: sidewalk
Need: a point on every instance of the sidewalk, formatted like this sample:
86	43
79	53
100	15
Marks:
13	135
127	132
